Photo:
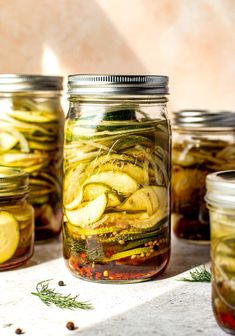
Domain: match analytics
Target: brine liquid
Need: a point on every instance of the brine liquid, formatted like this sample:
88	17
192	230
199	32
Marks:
137	267
116	200
224	314
223	272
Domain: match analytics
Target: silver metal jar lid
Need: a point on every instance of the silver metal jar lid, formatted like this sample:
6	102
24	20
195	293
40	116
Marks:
22	83
204	118
13	181
221	189
117	85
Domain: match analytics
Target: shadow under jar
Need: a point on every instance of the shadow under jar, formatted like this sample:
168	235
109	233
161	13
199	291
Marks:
116	178
203	142
16	219
31	138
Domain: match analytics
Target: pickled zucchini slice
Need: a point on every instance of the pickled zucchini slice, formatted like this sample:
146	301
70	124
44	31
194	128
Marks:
122	183
134	171
143	199
93	190
33	116
88	214
9	235
162	196
7	141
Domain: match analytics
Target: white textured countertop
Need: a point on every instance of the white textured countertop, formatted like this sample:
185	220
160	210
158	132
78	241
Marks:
165	307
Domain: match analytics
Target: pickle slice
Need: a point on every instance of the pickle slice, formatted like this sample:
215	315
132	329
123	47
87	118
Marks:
93	190
134	171
9	235
7	141
118	181
143	199
88	214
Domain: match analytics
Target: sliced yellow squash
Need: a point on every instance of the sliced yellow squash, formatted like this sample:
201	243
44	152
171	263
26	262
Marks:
162	195
88	214
148	198
93	190
134	171
9	236
7	141
120	182
139	201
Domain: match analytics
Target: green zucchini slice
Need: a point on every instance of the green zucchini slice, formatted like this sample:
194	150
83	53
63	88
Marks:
122	183
144	199
88	214
7	141
93	190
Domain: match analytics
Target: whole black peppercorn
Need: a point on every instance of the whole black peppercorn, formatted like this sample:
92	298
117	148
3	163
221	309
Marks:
19	331
61	283
70	325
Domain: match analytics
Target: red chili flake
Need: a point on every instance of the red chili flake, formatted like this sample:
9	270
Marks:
83	255
228	320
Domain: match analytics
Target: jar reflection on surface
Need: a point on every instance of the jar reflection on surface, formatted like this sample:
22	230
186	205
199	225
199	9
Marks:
203	142
31	134
116	181
16	219
220	199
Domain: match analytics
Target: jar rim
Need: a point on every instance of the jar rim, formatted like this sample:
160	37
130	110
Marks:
200	119
127	85
28	82
221	188
13	181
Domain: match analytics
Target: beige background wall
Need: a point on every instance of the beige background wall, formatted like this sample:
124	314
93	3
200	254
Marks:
192	41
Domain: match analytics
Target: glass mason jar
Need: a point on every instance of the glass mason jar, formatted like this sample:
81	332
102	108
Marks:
220	198
16	219
116	178
31	138
203	142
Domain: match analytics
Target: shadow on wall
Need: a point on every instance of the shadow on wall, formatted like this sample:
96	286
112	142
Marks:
61	37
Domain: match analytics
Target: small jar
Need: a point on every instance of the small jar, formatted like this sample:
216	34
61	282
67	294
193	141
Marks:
117	178
220	198
16	219
203	142
31	138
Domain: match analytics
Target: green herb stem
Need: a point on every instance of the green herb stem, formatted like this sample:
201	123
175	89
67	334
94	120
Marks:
50	296
198	274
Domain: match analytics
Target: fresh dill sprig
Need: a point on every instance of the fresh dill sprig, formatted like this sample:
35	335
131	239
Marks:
198	274
50	296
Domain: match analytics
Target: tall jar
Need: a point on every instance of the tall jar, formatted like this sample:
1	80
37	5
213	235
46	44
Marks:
203	142
31	138
16	219
117	178
220	199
